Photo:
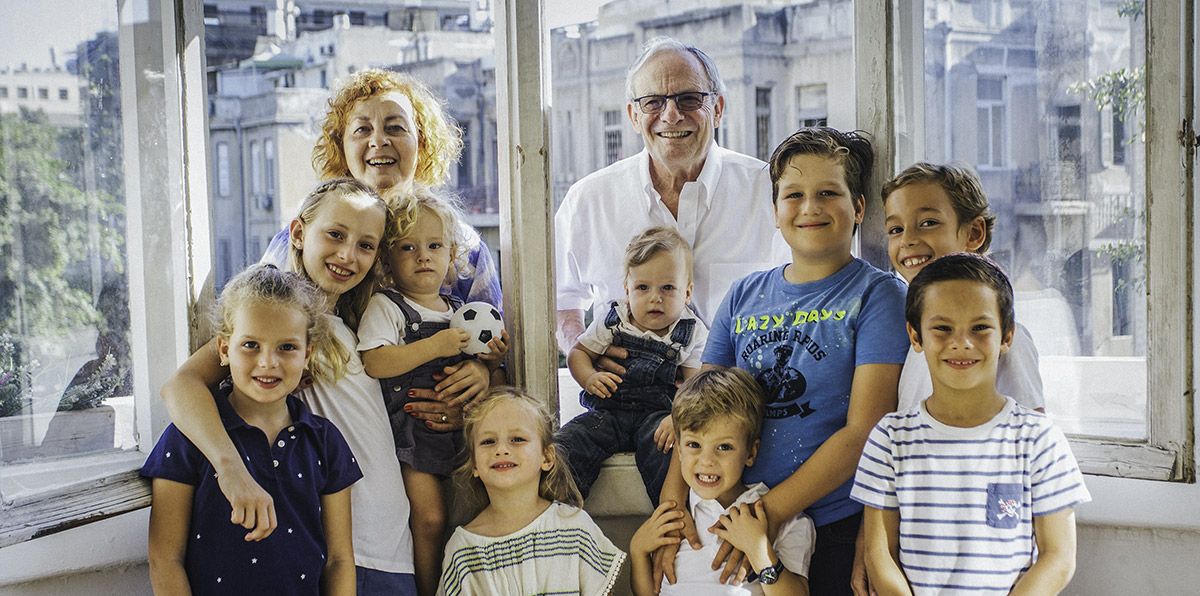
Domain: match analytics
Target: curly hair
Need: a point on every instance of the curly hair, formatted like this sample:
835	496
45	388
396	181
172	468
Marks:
405	205
438	141
556	484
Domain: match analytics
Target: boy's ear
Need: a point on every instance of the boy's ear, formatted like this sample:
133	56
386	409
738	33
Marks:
860	209
976	232
687	296
753	453
915	337
1006	343
296	233
223	351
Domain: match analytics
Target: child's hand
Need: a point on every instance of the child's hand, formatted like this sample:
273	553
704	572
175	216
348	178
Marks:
602	384
498	347
664	435
653	532
745	527
449	342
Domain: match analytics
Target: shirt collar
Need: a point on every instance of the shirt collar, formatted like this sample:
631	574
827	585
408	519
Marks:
708	177
299	412
753	493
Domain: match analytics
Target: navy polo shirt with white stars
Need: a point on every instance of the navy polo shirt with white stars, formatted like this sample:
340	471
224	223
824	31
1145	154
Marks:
309	458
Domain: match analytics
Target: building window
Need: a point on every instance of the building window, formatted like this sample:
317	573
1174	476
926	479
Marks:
269	165
990	116
62	94
258	16
811	105
762	122
1118	140
43	93
3	92
612	136
256	167
223	169
22	92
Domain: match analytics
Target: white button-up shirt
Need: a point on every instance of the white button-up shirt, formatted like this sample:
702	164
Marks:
793	545
726	215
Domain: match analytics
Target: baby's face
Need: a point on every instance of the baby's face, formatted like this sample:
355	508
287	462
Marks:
657	291
712	460
922	226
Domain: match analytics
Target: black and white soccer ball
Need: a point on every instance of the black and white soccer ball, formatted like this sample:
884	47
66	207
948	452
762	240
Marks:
482	321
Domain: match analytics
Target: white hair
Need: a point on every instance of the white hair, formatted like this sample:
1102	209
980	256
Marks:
663	44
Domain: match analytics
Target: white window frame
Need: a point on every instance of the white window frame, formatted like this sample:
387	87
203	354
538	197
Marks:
1169	452
166	270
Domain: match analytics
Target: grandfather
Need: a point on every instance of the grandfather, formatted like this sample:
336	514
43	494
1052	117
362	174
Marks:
719	200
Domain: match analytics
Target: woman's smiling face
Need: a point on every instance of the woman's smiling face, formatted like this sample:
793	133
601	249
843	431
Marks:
381	140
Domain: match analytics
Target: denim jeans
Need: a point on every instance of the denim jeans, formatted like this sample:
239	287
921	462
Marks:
592	437
373	582
832	560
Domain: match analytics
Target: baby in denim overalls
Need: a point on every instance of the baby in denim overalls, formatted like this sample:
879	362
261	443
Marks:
662	336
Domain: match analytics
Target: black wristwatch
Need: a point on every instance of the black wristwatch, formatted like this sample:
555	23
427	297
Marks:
770	575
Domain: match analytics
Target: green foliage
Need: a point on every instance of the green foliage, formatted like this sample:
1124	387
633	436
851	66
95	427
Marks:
96	383
15	379
44	228
1132	8
1123	90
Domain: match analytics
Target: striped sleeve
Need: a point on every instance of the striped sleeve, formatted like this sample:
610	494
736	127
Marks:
875	481
1056	482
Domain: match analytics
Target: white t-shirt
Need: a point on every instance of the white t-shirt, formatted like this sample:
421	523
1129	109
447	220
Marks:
1016	374
383	322
598	336
693	568
725	215
379	506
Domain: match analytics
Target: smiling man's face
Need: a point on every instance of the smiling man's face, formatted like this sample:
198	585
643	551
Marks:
676	140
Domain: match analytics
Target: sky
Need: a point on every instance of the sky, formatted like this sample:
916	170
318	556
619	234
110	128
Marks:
25	34
26	37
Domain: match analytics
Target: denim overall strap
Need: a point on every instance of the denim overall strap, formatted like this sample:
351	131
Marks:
650	368
420	377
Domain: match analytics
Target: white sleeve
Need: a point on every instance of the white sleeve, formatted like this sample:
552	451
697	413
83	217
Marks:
597	337
573	292
382	324
1018	374
795	544
695	350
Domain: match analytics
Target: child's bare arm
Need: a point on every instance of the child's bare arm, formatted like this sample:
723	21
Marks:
1055	536
687	372
338	577
391	361
582	363
170	518
746	530
882	552
653	533
191	407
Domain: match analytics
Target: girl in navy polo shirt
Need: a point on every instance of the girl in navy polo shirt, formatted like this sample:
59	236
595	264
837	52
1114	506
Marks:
271	328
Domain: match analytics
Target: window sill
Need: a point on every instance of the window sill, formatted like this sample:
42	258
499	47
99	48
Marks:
48	496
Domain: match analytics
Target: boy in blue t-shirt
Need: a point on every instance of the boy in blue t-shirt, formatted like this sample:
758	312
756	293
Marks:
824	335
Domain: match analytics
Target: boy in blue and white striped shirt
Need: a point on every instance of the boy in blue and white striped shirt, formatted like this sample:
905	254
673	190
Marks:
968	492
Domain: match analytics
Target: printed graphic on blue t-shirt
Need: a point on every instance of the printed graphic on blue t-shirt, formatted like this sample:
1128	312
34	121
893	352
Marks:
802	343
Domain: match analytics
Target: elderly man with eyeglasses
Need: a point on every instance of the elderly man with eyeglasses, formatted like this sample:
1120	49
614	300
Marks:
719	200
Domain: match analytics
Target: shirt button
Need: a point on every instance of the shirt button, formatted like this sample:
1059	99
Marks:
291	428
280	443
276	462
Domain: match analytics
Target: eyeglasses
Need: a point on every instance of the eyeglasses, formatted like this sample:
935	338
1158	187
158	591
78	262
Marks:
688	101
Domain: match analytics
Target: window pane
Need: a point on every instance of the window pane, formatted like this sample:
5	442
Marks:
65	368
1070	226
448	46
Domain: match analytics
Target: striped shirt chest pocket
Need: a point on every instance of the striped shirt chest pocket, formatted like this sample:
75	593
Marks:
1004	503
